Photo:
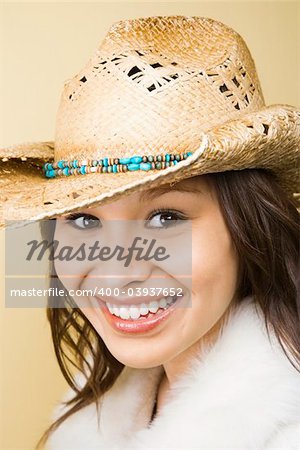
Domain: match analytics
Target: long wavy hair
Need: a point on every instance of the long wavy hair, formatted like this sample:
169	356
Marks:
264	225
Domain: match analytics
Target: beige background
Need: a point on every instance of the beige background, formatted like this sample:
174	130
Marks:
42	45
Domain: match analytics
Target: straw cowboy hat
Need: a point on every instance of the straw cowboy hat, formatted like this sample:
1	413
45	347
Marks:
161	99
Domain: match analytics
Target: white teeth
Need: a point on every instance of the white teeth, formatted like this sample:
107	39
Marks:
135	312
124	313
116	311
162	302
153	307
143	309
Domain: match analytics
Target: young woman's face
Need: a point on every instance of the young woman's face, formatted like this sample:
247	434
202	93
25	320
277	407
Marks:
214	267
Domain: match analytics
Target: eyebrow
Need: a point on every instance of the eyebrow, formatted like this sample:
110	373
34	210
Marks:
150	194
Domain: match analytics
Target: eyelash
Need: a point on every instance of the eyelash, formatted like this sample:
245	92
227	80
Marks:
70	219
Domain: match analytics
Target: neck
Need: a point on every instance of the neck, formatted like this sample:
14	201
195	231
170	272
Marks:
176	367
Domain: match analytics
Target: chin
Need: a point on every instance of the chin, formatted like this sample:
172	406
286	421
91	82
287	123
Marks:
139	363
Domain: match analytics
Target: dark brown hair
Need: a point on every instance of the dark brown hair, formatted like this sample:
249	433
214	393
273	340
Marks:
264	225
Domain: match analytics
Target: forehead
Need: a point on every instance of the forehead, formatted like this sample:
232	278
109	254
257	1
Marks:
196	185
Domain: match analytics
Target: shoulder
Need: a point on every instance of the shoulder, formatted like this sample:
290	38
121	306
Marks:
69	433
287	437
61	408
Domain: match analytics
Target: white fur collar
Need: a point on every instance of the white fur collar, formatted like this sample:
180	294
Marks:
242	394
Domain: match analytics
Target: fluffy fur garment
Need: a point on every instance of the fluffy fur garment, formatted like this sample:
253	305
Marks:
241	394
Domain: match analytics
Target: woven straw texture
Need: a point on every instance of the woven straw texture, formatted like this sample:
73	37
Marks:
155	85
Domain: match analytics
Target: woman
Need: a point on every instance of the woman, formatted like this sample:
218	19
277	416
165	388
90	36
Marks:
215	367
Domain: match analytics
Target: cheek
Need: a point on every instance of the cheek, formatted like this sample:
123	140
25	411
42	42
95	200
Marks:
71	273
215	263
215	268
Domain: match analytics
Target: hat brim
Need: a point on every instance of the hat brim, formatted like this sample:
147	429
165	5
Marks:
267	139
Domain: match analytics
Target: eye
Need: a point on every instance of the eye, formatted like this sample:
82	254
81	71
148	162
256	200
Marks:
165	218
83	221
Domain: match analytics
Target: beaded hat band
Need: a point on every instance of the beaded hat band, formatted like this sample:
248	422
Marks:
113	165
170	92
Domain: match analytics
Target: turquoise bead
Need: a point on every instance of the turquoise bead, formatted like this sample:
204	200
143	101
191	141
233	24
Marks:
132	163
136	159
50	173
124	160
145	166
133	166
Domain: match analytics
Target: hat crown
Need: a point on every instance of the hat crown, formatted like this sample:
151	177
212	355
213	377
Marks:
153	85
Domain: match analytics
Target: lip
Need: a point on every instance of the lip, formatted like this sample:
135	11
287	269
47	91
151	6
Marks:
129	301
140	325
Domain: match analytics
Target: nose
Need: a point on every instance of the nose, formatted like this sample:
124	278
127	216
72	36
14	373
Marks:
127	282
122	267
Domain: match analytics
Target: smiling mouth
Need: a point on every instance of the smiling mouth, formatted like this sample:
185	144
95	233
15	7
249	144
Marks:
143	310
